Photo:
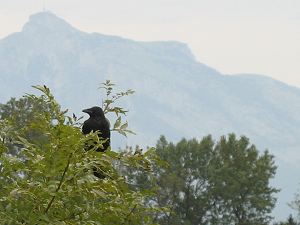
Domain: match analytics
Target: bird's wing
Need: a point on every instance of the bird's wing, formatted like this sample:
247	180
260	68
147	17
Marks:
107	122
86	128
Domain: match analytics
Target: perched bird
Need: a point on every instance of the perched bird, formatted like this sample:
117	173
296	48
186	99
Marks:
97	122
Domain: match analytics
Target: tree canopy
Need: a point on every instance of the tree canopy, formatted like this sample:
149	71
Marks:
208	182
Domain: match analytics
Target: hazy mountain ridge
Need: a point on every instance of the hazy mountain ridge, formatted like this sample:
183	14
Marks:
50	51
175	95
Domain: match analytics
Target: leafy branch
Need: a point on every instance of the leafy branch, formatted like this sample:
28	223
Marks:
109	107
112	97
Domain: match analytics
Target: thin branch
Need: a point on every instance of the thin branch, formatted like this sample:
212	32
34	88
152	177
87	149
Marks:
129	214
60	183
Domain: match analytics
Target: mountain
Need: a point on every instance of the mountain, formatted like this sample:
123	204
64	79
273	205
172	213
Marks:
175	94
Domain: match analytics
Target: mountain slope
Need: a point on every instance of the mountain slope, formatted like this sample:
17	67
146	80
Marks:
175	95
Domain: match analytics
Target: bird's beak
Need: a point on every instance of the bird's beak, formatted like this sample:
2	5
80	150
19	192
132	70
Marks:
86	111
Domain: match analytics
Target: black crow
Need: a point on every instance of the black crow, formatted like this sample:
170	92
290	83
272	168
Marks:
97	122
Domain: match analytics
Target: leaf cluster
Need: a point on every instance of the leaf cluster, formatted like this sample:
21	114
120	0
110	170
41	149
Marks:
109	106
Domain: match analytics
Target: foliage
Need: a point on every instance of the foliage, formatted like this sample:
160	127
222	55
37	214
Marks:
108	106
211	183
18	116
239	179
296	204
290	221
49	179
184	184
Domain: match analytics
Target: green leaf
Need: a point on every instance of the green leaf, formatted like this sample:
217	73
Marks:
117	123
124	126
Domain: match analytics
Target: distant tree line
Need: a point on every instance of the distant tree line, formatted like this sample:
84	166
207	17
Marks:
208	182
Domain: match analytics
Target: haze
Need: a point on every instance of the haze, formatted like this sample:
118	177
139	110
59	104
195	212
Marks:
234	36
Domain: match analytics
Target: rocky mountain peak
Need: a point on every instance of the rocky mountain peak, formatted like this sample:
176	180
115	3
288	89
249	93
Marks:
47	22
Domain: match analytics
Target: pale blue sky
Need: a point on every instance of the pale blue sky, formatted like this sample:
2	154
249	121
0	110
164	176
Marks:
233	36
